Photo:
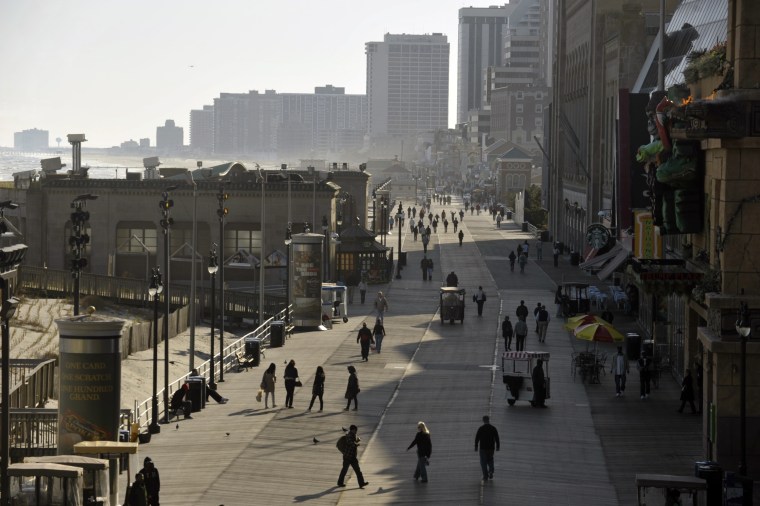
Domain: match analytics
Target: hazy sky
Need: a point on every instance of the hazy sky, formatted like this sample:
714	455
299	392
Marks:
117	70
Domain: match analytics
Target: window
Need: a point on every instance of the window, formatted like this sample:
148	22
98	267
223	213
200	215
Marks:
518	121
520	95
519	108
236	240
539	122
539	109
539	95
130	238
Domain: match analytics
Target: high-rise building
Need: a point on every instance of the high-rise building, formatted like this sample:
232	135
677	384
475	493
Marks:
169	137
31	140
407	84
202	129
481	45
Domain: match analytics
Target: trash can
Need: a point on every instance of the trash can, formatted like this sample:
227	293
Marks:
647	346
402	258
253	349
277	334
545	236
575	258
525	226
712	473
509	215
632	346
197	392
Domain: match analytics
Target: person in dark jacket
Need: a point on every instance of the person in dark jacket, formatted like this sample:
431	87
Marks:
378	331
452	279
461	237
488	439
539	385
522	311
506	332
290	376
152	481
318	389
364	338
349	457
424	449
352	389
178	401
687	392
136	493
512	258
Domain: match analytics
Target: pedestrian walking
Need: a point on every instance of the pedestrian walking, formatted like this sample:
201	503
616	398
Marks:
318	388
424	268
152	481
535	314
425	242
543	319
521	332
522	260
381	306
539	250
291	377
461	237
363	290
430	269
456	224
512	258
461	215
556	252
498	221
506	333
414	231
522	311
348	445
267	384
479	298
687	392
424	450
620	370
452	279
487	438
365	339
558	301
525	247
137	494
352	389
379	332
644	365
539	385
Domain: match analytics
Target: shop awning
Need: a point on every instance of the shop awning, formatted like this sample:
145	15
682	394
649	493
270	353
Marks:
599	260
612	266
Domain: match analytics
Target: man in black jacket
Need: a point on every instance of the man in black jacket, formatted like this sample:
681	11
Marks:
152	481
488	439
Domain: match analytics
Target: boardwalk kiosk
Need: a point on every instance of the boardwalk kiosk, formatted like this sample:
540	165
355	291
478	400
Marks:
95	490
306	279
119	455
38	483
517	368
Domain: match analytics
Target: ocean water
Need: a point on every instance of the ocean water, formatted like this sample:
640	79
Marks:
100	167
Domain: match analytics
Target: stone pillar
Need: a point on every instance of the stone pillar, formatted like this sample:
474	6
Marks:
89	380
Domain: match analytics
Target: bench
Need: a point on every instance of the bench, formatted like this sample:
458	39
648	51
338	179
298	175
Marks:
243	361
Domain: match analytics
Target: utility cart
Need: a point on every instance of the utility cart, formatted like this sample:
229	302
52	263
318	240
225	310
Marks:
517	368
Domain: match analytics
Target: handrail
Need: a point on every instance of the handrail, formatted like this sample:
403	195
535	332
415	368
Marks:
143	410
30	388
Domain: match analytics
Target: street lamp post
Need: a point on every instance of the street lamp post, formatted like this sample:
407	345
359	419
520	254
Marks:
374	199
399	215
166	223
78	241
222	197
263	177
213	266
155	289
325	228
744	327
192	265
10	258
288	240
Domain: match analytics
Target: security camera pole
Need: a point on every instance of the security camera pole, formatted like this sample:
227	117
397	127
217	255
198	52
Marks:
166	223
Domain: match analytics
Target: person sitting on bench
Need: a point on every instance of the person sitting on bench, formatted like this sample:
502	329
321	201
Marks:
178	401
211	390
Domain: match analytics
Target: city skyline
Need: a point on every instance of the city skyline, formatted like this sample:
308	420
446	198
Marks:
116	75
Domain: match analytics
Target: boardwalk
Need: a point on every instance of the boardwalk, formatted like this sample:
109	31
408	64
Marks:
584	450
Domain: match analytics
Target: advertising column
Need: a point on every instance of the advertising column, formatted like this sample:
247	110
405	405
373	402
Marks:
89	380
306	287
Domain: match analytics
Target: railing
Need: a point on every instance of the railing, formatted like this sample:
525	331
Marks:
133	291
143	411
33	432
32	382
